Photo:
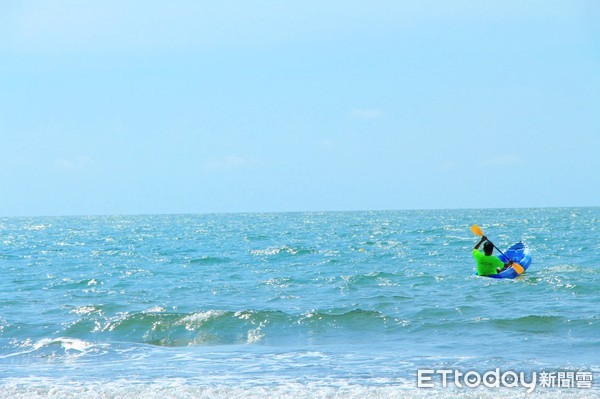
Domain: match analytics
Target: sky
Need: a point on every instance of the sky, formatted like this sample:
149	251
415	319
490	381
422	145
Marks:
144	107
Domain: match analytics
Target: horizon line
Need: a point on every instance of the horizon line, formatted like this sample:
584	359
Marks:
141	214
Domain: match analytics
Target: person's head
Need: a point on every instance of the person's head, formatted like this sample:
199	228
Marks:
488	248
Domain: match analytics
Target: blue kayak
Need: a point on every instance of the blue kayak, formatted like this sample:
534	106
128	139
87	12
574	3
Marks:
518	253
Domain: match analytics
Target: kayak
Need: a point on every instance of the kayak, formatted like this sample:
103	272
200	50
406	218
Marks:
518	253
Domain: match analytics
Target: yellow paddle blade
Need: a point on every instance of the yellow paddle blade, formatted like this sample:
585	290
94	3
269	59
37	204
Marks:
518	268
476	230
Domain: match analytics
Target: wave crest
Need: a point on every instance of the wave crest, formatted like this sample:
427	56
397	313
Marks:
219	327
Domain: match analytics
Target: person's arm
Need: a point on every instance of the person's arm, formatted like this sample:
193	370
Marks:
483	239
506	266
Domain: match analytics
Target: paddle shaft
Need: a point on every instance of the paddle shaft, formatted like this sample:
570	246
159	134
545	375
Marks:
501	253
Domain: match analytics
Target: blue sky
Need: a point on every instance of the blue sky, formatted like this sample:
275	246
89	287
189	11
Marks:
234	106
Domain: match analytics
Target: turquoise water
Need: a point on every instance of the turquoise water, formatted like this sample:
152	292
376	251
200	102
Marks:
335	304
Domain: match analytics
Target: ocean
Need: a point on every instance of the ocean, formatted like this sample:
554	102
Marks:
296	305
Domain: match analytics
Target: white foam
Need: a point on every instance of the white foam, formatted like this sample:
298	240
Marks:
155	309
32	388
68	344
195	320
255	335
82	310
34	227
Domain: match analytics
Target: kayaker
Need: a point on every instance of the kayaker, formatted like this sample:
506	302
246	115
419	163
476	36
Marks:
486	263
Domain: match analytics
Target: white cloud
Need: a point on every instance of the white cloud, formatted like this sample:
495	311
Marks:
449	165
367	113
78	163
327	144
228	162
46	26
500	160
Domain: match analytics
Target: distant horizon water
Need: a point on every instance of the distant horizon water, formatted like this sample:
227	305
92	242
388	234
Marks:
250	212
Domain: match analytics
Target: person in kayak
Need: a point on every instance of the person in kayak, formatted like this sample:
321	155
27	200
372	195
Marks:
486	263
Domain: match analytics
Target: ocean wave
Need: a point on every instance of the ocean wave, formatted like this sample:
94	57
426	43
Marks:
283	250
214	327
59	346
218	327
453	321
541	323
209	260
379	278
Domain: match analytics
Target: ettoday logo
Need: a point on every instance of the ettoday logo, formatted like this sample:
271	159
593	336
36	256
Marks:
427	378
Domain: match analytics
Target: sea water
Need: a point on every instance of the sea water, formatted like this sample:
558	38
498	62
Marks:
333	304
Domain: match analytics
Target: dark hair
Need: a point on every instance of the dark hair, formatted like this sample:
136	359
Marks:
488	248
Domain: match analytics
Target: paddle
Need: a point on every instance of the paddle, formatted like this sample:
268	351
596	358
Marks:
478	232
